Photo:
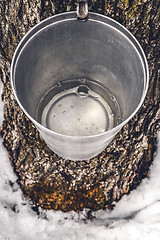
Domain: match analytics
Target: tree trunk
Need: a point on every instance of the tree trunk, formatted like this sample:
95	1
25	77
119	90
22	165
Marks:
48	180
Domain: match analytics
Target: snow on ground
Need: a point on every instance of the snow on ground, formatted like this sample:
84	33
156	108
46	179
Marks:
136	216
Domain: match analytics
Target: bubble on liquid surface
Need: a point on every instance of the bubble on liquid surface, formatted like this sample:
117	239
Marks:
113	98
83	80
59	84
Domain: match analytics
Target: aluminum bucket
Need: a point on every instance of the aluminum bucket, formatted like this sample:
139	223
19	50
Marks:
79	82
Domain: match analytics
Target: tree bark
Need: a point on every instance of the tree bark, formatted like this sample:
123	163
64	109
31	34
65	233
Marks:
48	180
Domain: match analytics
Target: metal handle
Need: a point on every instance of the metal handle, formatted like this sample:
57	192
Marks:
82	10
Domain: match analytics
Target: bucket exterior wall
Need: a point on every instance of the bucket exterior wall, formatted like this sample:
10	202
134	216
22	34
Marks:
60	48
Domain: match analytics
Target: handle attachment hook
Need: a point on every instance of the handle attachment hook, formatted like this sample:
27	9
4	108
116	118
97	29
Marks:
82	10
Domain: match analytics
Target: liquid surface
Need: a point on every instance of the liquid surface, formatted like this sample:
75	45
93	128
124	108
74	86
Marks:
76	110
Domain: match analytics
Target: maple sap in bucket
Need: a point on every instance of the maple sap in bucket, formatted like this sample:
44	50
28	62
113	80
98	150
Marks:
79	108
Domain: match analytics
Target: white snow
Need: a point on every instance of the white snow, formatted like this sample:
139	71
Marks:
136	216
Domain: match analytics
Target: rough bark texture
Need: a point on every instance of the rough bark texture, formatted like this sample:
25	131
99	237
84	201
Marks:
55	183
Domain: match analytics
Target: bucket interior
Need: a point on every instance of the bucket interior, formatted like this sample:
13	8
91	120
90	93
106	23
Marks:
79	78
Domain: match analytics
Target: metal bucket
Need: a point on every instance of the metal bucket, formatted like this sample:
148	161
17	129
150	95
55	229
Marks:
79	82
